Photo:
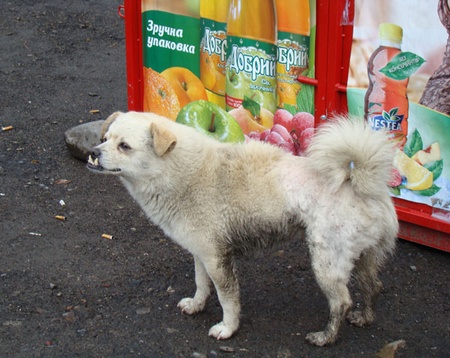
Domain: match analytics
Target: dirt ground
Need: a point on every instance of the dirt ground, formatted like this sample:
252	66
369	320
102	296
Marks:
65	291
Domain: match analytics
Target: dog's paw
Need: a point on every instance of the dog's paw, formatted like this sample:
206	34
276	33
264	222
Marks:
318	339
359	318
221	331
190	306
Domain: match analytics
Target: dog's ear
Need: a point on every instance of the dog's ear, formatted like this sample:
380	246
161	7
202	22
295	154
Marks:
163	140
108	121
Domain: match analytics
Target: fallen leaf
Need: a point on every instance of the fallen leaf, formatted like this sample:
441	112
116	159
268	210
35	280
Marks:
388	351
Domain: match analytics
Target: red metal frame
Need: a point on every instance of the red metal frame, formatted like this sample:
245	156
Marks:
134	61
418	225
333	46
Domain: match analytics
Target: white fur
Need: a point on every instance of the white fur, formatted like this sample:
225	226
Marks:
220	201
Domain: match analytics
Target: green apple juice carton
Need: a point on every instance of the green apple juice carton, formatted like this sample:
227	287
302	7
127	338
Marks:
251	54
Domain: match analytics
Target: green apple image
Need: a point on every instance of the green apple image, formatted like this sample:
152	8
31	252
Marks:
236	84
209	118
267	100
239	84
263	90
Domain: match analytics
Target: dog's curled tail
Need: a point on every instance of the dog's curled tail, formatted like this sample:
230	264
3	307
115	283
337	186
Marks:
348	150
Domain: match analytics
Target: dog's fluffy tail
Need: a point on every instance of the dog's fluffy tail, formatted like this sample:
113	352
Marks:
347	149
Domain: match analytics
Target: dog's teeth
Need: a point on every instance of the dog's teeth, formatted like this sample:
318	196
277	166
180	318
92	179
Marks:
90	161
96	162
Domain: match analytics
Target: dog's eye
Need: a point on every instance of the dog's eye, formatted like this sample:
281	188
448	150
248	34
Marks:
124	146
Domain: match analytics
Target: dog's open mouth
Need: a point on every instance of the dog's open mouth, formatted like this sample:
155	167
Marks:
93	164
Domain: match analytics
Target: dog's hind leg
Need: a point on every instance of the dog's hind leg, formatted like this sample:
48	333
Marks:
332	274
196	304
366	272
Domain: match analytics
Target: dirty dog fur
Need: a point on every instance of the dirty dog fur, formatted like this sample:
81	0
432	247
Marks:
222	201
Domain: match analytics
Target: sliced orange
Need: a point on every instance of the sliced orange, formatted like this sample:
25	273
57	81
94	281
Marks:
159	96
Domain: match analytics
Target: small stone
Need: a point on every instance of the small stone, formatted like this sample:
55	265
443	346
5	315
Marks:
198	355
81	332
226	349
143	310
413	268
279	253
69	316
136	282
81	139
284	353
12	323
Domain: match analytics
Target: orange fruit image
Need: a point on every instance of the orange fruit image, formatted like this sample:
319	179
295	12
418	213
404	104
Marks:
159	96
220	83
287	93
187	86
213	69
207	70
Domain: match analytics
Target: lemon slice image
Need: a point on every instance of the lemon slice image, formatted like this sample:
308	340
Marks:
417	176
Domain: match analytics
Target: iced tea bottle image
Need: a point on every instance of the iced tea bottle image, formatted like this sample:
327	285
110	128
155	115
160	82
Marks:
251	53
213	48
386	101
293	17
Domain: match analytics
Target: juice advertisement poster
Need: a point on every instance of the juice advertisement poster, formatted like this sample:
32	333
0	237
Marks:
230	68
399	79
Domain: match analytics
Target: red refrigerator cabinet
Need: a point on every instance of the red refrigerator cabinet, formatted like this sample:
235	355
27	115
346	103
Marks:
333	39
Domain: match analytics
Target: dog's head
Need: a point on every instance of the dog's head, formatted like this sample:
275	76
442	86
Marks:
131	144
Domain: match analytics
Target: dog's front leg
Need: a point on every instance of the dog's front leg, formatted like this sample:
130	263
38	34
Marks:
223	275
196	304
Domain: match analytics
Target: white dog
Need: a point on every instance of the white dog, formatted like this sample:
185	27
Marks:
222	201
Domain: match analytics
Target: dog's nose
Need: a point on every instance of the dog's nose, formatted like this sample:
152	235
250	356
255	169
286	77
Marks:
95	153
